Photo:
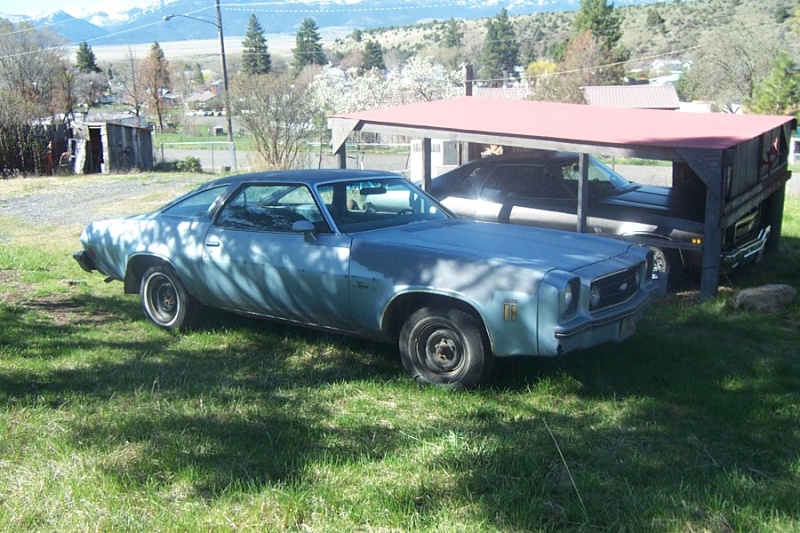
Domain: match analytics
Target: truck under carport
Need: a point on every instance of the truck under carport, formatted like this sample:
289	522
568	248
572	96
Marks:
737	161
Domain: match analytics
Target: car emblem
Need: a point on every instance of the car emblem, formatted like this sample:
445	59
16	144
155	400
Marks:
623	287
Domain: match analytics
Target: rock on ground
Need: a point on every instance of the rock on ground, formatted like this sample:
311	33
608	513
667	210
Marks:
764	299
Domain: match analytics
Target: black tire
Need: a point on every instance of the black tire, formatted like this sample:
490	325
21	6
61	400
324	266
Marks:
165	300
660	262
445	347
667	260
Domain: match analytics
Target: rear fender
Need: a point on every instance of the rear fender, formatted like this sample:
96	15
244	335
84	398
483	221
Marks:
137	266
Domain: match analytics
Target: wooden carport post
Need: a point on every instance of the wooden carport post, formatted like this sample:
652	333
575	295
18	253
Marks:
426	164
341	156
340	129
709	167
583	191
712	239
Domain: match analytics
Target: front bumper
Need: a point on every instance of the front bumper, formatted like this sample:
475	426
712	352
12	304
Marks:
85	261
747	253
610	329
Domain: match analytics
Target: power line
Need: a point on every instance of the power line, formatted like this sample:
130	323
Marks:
269	7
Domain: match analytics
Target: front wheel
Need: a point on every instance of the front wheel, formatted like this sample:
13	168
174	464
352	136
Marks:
165	300
446	347
667	262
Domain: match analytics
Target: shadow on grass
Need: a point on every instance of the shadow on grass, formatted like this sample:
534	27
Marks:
705	413
690	422
217	404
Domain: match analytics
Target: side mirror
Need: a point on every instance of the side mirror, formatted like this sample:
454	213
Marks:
306	228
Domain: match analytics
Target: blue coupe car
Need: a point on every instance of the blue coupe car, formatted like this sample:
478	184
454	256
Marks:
367	253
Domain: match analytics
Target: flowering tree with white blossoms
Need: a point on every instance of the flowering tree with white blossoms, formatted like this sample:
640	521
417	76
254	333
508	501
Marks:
334	91
418	80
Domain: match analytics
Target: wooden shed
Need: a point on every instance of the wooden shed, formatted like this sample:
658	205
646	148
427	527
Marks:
737	161
105	147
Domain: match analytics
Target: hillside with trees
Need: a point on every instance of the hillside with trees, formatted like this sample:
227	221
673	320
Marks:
666	29
736	54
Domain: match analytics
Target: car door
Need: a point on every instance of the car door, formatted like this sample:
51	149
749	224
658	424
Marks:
254	262
529	195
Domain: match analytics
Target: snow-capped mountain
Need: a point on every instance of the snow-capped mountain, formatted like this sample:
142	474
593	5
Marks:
146	23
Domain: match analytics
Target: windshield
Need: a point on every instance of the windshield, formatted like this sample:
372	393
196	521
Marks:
599	172
367	205
601	179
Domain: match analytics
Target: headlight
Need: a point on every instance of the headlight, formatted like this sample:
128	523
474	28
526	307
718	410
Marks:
594	296
568	297
571	296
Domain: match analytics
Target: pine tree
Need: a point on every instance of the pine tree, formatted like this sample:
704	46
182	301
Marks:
601	19
308	46
453	34
372	57
255	55
779	92
605	25
85	60
500	49
156	81
654	18
197	76
158	66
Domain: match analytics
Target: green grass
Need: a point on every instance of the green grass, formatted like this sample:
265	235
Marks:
109	424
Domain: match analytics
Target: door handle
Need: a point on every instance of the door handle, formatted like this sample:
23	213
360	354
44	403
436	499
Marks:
212	244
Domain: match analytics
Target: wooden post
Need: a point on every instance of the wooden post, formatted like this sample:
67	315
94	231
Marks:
774	207
468	79
583	192
712	238
341	156
426	164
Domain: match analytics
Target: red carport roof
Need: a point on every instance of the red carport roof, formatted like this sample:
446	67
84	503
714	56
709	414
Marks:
572	123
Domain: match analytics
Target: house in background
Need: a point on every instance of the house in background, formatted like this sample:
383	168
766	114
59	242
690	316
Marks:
633	96
520	92
202	103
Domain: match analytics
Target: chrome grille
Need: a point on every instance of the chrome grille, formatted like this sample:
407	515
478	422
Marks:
615	288
744	227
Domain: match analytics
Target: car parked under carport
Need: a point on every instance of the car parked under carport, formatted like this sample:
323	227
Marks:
541	189
739	160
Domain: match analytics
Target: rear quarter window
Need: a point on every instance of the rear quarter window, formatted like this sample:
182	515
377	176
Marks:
524	181
195	206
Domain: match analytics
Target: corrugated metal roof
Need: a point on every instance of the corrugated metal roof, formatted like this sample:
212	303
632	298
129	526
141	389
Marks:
633	96
566	123
513	93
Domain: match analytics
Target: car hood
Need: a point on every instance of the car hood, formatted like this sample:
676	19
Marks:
546	249
661	200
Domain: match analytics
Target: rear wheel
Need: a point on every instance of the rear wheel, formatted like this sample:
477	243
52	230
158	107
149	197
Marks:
446	347
165	300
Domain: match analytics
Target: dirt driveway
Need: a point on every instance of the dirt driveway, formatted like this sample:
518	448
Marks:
81	199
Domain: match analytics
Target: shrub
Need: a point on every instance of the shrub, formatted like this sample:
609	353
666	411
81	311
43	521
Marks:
189	164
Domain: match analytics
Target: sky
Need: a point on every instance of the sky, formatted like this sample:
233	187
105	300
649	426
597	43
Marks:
76	8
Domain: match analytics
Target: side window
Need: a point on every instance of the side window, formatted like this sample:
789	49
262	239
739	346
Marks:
505	181
524	181
270	207
342	200
195	206
472	183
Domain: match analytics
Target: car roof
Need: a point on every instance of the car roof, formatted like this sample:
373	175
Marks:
544	157
309	177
